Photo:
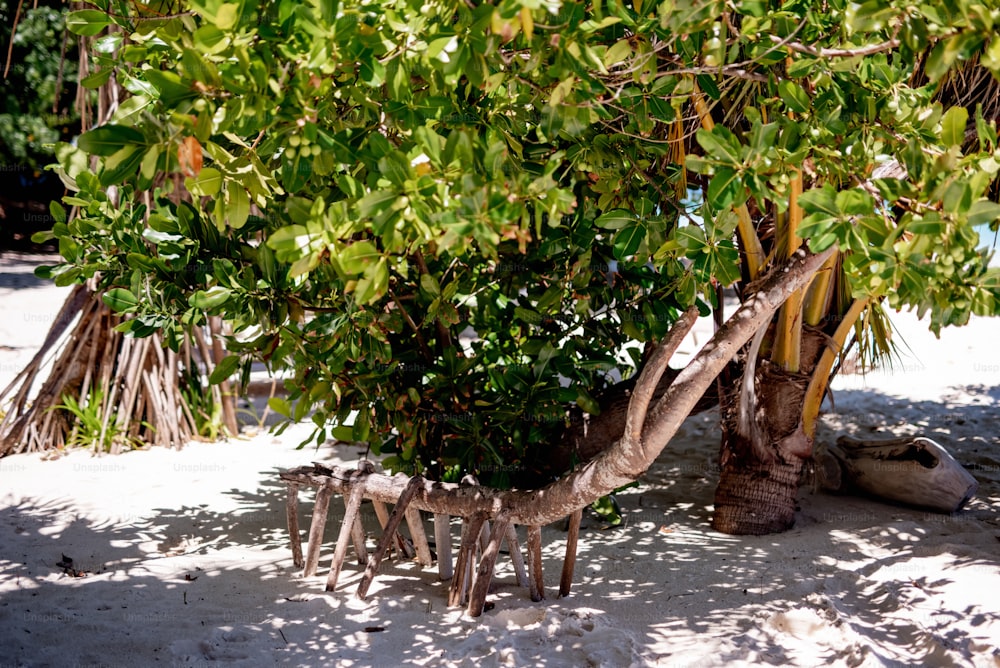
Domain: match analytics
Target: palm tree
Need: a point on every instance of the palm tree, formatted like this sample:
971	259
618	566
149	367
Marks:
771	396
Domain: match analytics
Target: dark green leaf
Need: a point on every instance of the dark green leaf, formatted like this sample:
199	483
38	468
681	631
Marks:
615	219
794	95
87	22
109	139
120	300
724	188
224	369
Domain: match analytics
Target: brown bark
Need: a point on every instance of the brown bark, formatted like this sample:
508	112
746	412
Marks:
758	498
760	470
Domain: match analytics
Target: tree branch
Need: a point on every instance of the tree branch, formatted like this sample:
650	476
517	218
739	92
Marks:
866	50
645	387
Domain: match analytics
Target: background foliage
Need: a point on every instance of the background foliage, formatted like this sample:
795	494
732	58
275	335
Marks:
38	91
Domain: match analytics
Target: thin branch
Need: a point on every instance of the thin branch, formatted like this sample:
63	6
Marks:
13	30
866	50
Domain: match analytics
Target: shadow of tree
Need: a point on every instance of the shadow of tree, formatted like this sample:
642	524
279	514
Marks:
857	582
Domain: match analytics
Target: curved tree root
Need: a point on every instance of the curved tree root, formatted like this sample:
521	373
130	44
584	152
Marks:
470	578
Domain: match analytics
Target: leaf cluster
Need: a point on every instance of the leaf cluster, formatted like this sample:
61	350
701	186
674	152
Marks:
447	220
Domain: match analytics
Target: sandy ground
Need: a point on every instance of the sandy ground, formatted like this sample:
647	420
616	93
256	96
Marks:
186	557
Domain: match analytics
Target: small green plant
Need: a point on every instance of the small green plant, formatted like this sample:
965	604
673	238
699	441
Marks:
607	507
90	429
206	410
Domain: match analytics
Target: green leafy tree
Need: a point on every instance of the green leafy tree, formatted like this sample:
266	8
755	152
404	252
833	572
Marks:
460	226
38	84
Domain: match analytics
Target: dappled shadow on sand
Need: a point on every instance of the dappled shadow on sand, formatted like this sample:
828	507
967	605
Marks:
192	586
857	582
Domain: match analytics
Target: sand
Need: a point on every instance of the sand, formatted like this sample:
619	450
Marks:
185	560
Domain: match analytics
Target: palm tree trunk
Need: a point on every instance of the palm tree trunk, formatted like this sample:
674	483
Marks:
761	467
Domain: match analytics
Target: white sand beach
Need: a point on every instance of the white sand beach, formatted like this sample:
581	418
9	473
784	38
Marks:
184	556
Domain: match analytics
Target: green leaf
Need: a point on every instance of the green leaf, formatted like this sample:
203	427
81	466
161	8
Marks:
943	57
727	263
717	144
172	89
868	16
120	300
109	139
227	15
374	284
627	240
820	200
98	78
87	22
358	256
430	285
691	238
953	126
724	188
794	96
123	164
618	52
207	300
109	43
208	183
237	205
587	402
280	406
57	211
376	202
360	430
224	369
930	226
527	315
983	212
615	219
854	202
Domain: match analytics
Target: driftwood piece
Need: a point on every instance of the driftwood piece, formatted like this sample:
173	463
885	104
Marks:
354	499
388	532
484	536
292	514
316	528
912	470
569	564
536	583
419	536
420	494
487	564
466	558
516	558
442	541
383	518
358	537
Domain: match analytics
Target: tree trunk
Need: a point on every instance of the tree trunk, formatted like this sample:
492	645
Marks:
760	466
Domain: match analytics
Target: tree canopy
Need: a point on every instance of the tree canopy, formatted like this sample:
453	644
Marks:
451	222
